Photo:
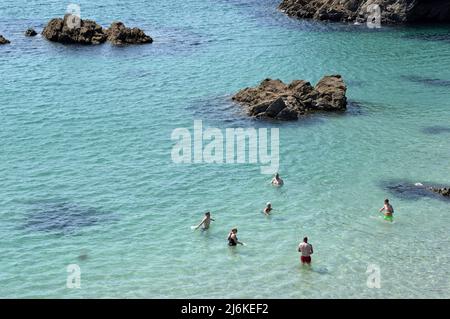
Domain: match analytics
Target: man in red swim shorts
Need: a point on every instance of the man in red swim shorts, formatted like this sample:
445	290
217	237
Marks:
306	249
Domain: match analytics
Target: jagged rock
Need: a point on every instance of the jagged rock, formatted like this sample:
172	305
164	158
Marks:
275	107
119	34
275	99
331	93
3	40
444	191
392	11
30	32
71	29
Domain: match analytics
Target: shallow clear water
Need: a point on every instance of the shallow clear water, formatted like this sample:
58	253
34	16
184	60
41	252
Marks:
87	176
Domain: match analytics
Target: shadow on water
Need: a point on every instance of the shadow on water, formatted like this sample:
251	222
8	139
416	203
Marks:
64	217
426	81
433	37
412	190
313	269
435	130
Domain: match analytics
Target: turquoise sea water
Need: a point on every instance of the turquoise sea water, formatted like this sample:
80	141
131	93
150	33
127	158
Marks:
86	175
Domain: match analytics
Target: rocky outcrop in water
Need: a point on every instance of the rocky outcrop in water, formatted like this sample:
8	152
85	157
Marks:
119	34
392	11
277	100
415	191
444	191
71	29
3	40
30	32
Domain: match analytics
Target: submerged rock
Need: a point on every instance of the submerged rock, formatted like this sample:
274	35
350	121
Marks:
437	129
3	40
30	32
415	191
119	34
71	29
64	217
392	11
277	100
444	191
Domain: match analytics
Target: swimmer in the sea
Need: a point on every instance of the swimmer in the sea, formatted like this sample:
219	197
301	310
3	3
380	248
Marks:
388	210
277	181
268	208
206	221
232	238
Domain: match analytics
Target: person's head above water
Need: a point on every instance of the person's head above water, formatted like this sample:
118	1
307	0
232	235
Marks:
234	230
268	204
386	201
208	214
305	239
277	175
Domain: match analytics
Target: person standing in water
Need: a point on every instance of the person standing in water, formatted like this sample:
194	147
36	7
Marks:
206	221
388	211
268	208
232	238
307	250
277	181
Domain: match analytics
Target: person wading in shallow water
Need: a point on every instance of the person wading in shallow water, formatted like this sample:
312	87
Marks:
268	208
232	238
306	249
388	211
206	221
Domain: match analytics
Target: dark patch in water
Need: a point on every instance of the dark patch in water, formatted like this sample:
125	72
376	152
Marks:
355	108
434	130
221	111
412	190
435	37
64	217
321	271
83	257
426	81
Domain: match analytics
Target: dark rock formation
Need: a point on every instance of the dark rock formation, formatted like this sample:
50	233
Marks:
3	40
444	191
274	99
119	34
30	32
67	30
392	11
71	29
